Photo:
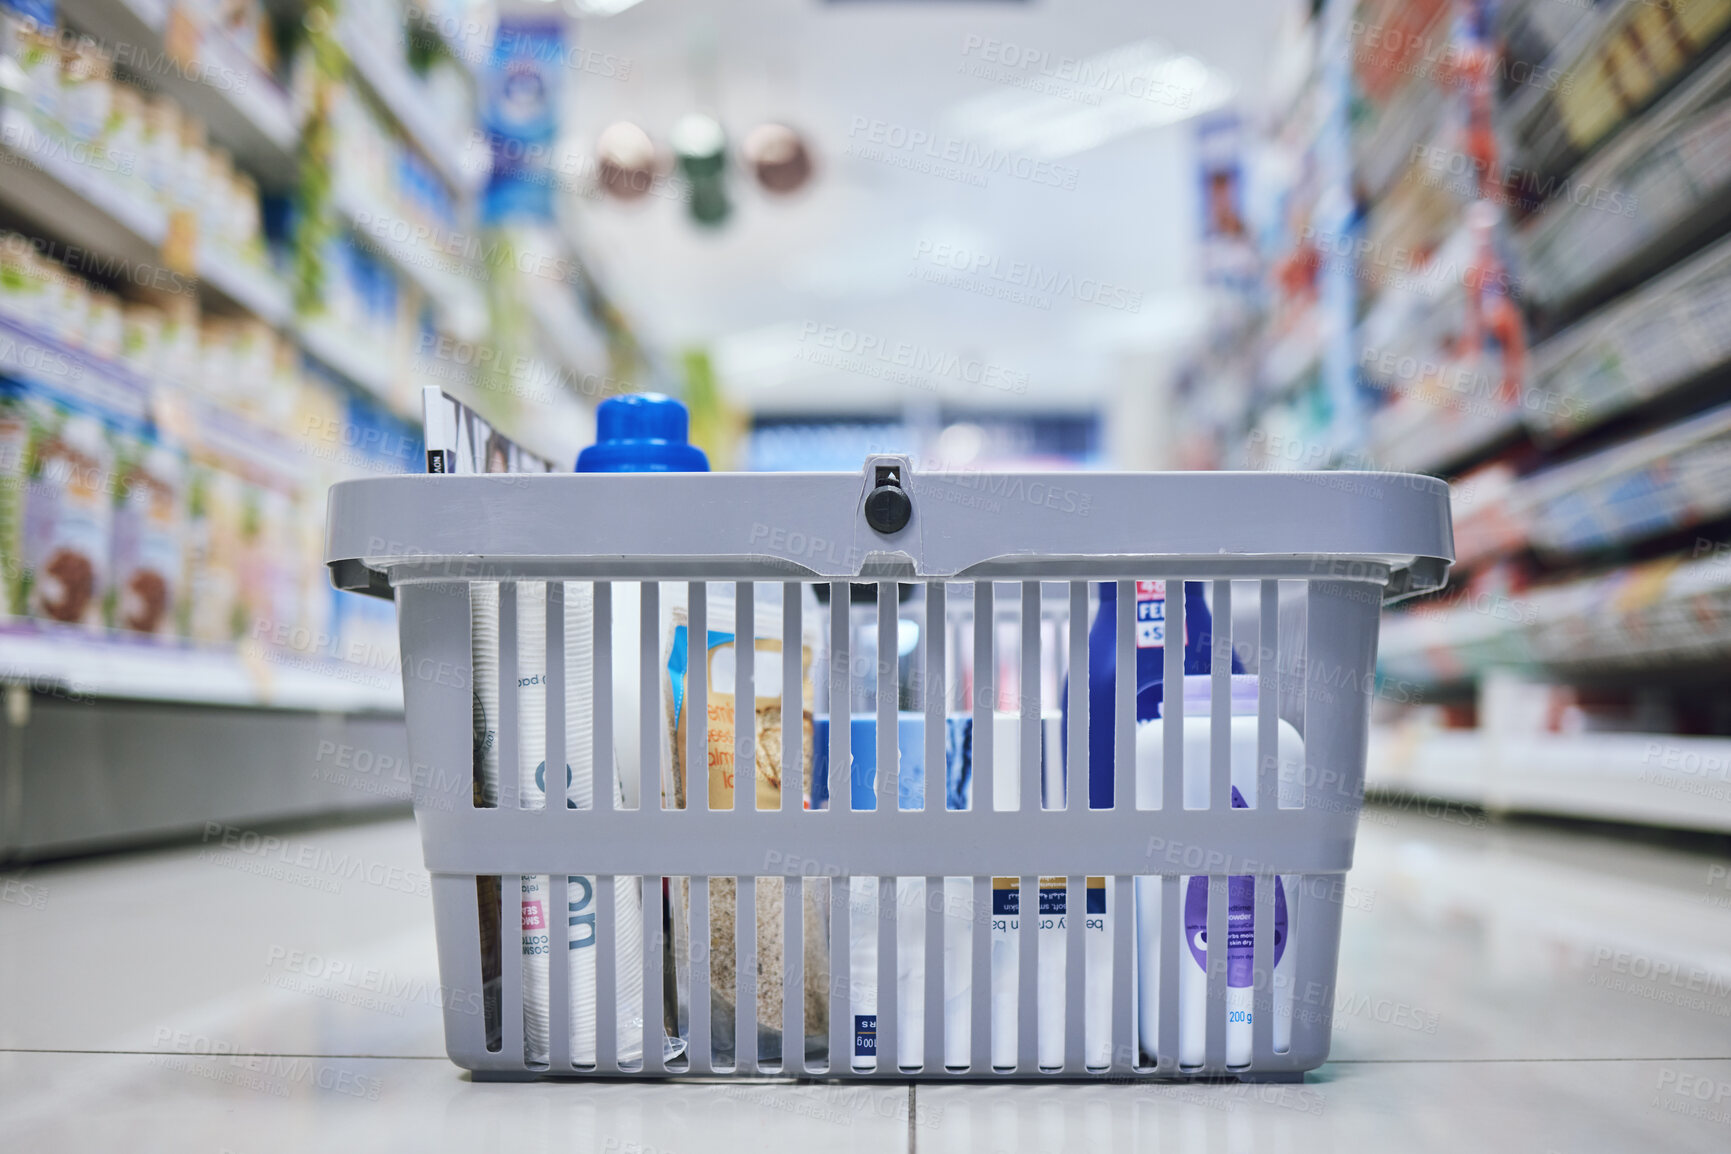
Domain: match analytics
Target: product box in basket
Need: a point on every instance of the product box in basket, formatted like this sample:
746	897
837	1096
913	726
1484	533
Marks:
715	782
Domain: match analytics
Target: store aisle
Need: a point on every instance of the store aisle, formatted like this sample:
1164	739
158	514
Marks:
1502	987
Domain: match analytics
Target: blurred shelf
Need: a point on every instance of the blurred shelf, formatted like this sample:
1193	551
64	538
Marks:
576	341
1421	309
145	669
1293	356
242	437
1657	615
1654	194
1545	145
1601	83
452	283
1671	331
1402	124
1656	779
459	30
30	355
256	290
1669	479
243	107
1421	433
347	355
391	82
72	199
89	208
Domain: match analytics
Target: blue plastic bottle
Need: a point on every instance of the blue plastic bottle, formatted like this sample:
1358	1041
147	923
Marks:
642	433
1150	643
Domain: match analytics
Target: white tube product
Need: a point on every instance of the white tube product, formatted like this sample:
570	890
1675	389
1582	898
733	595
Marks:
910	897
531	752
580	932
1192	955
484	624
1052	922
581	937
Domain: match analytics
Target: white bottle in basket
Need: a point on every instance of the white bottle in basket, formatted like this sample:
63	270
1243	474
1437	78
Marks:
541	924
1193	890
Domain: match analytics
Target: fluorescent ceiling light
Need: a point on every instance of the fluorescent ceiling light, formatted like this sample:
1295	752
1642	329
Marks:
604	7
1053	107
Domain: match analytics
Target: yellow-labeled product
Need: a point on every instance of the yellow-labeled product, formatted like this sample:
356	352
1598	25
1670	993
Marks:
1700	20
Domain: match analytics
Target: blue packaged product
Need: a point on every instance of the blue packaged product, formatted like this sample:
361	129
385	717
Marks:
1150	610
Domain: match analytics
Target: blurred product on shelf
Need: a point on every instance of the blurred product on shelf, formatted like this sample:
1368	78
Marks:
1643	198
1519	167
1667	334
67	102
1666	613
146	491
1575	77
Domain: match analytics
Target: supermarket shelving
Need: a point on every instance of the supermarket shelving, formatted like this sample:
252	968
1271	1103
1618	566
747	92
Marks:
244	108
1669	332
1658	779
29	354
390	81
1422	435
452	282
573	337
1585	55
259	291
327	343
1662	615
1669	162
117	667
85	206
71	198
1670	479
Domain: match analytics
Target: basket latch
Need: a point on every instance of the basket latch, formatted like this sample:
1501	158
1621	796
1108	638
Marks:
888	508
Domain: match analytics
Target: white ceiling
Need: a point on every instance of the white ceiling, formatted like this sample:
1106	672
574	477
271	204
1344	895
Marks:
847	261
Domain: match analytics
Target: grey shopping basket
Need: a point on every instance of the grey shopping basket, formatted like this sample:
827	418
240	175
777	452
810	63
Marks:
1311	557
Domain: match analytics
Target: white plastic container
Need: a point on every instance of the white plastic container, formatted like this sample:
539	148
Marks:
1193	982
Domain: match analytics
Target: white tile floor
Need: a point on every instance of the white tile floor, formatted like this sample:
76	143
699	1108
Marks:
1501	988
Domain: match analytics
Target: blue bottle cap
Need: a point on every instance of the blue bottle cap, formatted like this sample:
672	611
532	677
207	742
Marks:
642	433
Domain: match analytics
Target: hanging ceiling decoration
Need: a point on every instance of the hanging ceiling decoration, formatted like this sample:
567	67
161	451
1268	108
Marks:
627	161
700	145
778	157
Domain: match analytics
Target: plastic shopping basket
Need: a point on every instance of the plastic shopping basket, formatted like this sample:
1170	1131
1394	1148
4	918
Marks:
1296	567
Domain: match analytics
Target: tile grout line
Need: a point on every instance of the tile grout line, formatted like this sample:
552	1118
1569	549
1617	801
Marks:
913	1140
